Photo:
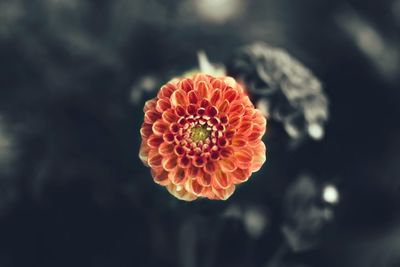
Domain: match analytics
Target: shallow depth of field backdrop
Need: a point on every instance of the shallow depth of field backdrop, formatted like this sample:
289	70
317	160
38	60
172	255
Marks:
74	76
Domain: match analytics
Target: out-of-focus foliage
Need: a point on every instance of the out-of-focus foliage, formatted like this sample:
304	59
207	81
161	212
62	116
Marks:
382	52
287	90
254	218
305	214
9	189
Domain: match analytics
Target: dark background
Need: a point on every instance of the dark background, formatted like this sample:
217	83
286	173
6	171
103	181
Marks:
73	191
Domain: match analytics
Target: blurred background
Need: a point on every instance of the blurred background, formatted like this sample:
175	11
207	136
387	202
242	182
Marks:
74	76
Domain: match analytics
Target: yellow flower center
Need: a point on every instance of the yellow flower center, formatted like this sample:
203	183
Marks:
199	133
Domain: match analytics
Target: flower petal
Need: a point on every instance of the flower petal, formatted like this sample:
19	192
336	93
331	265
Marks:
151	116
256	134
160	127
154	159
169	137
237	108
259	157
197	188
154	141
227	165
194	187
193	172
203	88
193	97
149	105
211	111
178	176
240	175
218	84
226	152
230	95
215	97
184	162
166	90
163	104
186	85
239	141
144	152
229	81
170	116
200	77
169	163
179	97
160	176
245	127
166	149
244	157
223	107
221	180
204	178
180	193
146	130
210	167
235	121
224	194
259	119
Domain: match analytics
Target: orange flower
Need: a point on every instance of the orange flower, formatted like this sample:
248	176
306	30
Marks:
201	136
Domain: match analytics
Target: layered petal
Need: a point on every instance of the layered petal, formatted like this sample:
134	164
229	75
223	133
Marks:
201	136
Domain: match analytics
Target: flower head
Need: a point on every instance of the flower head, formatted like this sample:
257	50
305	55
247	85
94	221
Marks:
201	136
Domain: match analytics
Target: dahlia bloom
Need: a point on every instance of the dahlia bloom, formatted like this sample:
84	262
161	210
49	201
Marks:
201	136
